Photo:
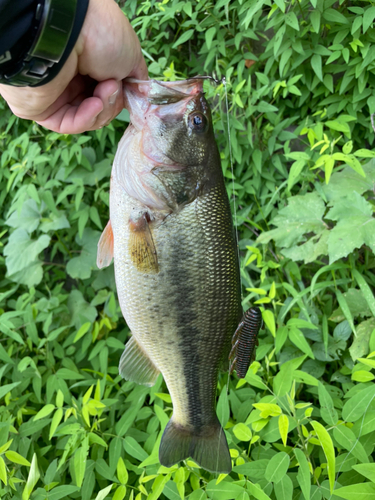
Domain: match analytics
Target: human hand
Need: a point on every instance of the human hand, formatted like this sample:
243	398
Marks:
87	93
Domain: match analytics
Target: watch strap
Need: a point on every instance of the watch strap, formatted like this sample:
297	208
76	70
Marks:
54	19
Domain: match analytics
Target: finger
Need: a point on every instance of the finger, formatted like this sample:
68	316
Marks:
70	119
140	71
112	99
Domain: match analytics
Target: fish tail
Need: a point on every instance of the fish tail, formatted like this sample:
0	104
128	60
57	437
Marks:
208	447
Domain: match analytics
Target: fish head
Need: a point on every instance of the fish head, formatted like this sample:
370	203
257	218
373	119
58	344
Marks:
175	120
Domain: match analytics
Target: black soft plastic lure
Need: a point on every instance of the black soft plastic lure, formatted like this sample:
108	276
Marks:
244	341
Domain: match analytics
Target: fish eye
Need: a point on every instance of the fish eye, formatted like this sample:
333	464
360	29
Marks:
197	121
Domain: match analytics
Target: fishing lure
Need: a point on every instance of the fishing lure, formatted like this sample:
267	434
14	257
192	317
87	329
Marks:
244	341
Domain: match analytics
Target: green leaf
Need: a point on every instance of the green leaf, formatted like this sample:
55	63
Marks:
3	471
257	492
32	479
362	491
80	465
183	38
5	389
209	35
222	408
223	490
21	252
366	290
291	20
316	64
360	346
303	475
16	458
134	449
357	405
347	440
56	419
81	267
367	470
122	473
119	493
242	432
315	20
103	493
329	451
302	215
345	309
277	467
296	336
284	489
44	412
269	320
282	382
335	16
61	492
327	410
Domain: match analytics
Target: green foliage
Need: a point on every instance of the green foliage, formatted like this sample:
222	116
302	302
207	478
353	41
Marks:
302	423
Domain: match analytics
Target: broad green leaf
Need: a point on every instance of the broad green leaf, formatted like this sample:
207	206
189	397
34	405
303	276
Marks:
257	492
363	491
61	492
223	490
134	449
347	440
7	388
303	475
316	64
277	467
242	432
358	404
355	226
296	336
329	451
284	489
366	290
80	465
183	38
119	493
367	470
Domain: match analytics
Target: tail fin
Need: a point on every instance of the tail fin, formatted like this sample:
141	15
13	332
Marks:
209	448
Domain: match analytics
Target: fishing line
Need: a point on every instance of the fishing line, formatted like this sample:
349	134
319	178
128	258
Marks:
233	188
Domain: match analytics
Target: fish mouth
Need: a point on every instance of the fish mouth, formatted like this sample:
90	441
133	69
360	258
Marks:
159	92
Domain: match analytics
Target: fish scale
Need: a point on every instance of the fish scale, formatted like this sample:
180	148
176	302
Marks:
178	286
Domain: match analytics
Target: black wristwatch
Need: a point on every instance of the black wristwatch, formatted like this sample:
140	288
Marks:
54	20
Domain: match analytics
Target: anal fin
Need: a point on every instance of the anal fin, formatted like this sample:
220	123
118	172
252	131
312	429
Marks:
105	247
136	366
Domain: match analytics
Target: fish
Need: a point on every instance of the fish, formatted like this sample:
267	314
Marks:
244	341
171	236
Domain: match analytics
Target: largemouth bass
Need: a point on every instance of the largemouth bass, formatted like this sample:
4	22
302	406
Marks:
172	239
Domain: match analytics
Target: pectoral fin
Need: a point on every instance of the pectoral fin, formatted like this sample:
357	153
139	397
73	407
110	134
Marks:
105	247
136	366
141	245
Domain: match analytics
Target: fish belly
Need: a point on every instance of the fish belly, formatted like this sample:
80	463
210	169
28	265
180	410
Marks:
184	315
